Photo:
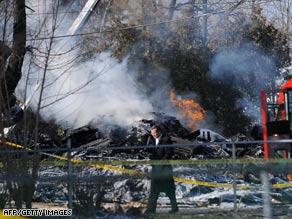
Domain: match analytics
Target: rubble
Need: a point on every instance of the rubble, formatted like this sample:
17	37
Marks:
89	140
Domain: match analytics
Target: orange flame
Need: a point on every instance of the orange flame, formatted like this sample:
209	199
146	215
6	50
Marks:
188	109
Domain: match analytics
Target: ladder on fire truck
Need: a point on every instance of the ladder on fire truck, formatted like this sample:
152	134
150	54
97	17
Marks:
277	122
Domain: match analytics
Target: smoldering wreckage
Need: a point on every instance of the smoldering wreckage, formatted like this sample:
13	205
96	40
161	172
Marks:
107	191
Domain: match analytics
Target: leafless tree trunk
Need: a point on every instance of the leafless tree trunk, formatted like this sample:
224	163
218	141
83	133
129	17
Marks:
12	73
19	184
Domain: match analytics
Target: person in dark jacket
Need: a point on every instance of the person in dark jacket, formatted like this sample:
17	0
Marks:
162	175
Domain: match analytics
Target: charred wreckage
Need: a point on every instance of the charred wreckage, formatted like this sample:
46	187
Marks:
90	140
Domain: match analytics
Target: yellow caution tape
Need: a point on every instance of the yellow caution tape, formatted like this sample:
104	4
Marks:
74	161
135	172
282	185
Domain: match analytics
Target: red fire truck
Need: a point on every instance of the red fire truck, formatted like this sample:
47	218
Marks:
277	120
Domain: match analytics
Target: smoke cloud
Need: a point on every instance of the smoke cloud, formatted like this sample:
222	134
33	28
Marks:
99	91
248	70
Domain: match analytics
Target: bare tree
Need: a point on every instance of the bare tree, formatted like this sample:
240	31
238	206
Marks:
10	74
12	64
282	16
20	174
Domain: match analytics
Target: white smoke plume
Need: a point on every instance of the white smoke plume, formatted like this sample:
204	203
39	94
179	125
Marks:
98	91
249	70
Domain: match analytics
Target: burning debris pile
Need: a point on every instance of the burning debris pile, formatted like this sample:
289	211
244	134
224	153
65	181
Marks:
199	143
195	141
188	144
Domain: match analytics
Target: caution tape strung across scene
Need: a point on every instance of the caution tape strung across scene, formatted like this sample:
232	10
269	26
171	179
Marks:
100	165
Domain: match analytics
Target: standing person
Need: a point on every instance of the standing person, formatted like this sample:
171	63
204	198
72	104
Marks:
162	175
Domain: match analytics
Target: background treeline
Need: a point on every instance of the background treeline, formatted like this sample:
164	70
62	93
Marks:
176	36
